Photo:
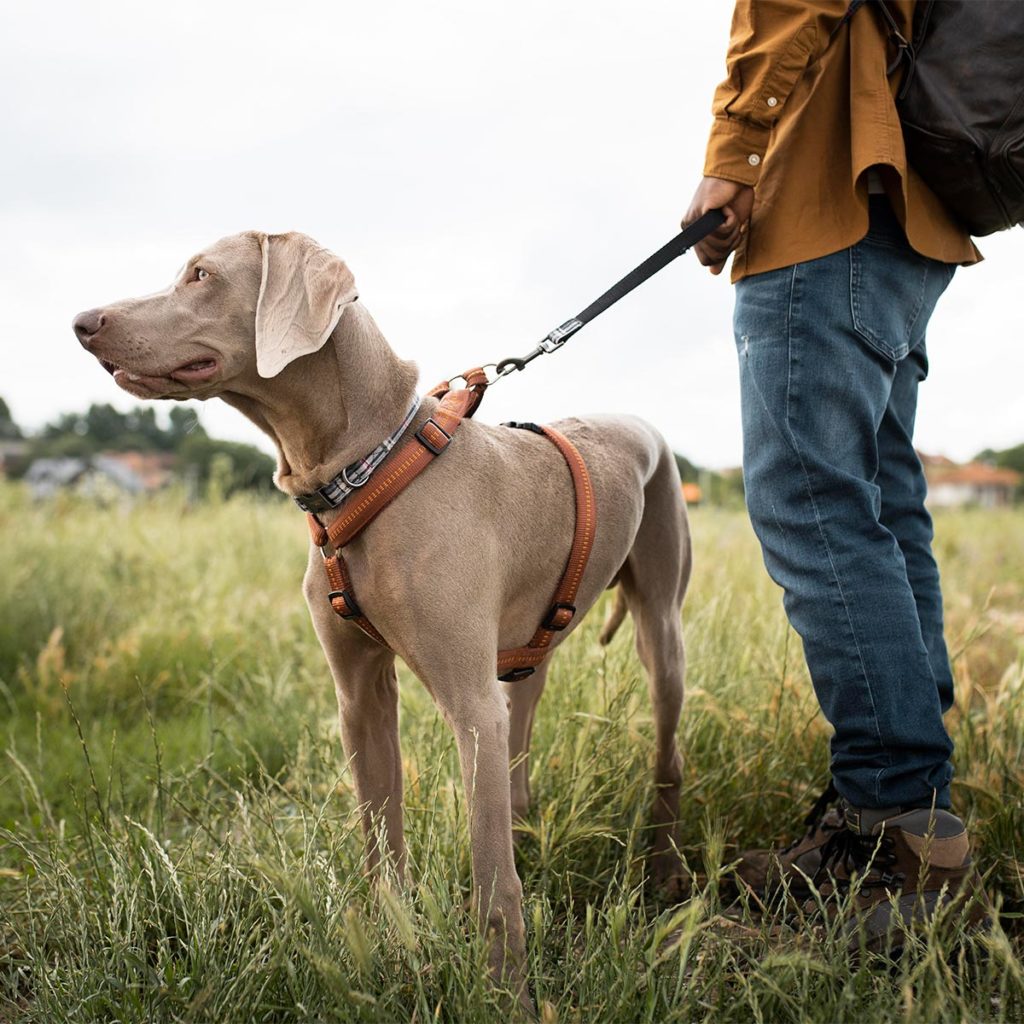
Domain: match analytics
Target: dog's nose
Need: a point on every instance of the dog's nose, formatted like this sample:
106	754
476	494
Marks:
88	324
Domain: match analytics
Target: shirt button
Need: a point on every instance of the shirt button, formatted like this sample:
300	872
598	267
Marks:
753	159
772	101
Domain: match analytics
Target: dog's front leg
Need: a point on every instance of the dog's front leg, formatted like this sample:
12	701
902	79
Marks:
476	708
368	711
367	689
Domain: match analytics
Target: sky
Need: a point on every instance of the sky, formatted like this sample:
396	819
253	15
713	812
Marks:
486	170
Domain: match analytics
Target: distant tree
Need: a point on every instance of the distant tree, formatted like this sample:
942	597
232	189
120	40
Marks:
1008	458
688	472
184	423
726	489
64	446
106	428
9	430
230	466
716	488
66	423
103	428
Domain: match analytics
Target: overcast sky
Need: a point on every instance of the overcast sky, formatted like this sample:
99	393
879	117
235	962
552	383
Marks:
486	169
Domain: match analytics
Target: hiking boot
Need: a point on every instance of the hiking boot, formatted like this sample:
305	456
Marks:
891	867
764	871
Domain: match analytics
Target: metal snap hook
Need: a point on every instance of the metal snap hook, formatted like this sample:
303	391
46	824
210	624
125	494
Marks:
507	366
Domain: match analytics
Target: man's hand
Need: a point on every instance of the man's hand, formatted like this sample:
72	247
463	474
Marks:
736	201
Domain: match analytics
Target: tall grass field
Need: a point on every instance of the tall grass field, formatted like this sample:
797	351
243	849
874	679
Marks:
179	838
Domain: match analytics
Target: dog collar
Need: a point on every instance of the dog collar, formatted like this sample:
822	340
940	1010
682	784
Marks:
352	477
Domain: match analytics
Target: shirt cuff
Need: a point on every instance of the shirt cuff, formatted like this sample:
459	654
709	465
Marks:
736	150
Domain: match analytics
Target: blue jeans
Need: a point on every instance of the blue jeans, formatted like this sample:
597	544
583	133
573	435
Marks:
831	353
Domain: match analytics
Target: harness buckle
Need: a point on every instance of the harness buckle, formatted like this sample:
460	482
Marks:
515	674
439	444
353	610
320	500
559	616
524	426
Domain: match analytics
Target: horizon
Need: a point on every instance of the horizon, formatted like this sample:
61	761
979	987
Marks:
163	409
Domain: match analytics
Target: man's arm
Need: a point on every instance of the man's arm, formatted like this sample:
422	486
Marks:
771	44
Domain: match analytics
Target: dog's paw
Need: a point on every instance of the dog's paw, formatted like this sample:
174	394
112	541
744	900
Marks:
670	882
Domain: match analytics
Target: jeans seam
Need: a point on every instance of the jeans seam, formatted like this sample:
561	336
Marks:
913	317
821	530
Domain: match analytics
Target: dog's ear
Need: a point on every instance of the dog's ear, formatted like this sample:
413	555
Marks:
303	293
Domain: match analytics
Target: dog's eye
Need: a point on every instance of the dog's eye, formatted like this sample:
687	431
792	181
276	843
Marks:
200	274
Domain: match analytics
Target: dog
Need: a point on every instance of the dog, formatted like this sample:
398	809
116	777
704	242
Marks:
463	562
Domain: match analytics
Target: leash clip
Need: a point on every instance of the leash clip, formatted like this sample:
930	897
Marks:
560	335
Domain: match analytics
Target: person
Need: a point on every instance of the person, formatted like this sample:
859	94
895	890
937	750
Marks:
840	253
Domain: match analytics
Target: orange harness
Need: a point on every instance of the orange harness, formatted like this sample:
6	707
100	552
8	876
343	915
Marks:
403	466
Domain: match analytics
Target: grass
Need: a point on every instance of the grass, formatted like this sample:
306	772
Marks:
179	837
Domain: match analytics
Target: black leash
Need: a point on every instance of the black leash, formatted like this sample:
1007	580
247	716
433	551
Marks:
685	240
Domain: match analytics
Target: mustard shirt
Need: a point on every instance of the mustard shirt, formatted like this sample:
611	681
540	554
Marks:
801	117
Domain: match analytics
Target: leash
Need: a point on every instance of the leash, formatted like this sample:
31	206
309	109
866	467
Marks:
554	340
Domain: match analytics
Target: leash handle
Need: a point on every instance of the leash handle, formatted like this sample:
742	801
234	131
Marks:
685	240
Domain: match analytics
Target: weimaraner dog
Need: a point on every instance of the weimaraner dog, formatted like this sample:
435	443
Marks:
461	564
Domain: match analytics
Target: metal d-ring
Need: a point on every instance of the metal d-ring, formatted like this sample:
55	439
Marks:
352	483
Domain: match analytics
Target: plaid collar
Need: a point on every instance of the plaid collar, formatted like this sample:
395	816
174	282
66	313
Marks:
352	477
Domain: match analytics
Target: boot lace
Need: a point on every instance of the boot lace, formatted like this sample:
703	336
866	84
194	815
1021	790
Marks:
815	818
870	857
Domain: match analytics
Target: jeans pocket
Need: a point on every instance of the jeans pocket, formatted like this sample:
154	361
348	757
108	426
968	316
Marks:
893	291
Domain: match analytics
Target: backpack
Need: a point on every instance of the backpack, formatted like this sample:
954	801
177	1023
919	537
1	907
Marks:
961	104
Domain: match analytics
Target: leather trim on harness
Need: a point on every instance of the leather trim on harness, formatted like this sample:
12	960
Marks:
403	466
520	662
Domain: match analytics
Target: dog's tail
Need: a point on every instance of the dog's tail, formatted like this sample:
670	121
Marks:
615	617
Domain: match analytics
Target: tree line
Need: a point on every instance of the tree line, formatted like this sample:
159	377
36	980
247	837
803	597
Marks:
236	466
198	458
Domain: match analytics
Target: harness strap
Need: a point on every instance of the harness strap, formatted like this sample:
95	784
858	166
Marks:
407	463
520	662
342	599
429	441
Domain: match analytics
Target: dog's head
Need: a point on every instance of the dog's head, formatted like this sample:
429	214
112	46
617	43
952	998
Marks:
246	306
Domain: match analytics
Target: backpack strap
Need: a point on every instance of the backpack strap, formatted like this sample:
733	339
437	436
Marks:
904	48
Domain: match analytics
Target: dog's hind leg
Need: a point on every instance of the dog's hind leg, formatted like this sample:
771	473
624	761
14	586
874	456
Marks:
654	581
523	696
